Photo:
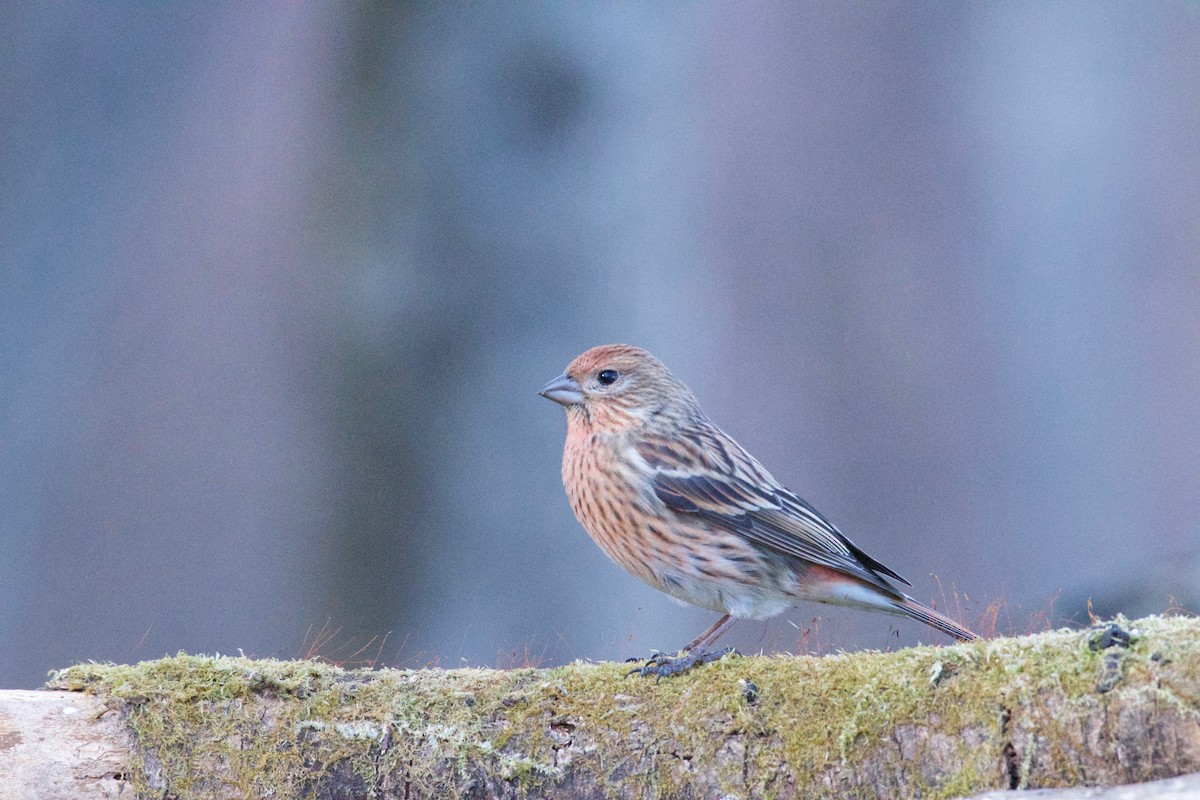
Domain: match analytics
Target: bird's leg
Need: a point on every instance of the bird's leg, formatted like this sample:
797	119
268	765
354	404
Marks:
696	653
711	635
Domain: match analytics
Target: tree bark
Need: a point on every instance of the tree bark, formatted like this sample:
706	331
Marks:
1116	704
62	745
1186	787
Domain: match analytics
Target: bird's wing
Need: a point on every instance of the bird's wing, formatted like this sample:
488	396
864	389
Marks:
703	472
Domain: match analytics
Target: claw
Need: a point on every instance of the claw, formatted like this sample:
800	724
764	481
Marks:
653	655
660	664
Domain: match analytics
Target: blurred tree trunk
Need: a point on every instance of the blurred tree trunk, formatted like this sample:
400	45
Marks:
470	128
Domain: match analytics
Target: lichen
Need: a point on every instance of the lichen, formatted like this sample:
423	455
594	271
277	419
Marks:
283	728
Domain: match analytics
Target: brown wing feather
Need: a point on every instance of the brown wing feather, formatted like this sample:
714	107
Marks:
707	474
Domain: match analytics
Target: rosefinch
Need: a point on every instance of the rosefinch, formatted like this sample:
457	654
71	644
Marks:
678	503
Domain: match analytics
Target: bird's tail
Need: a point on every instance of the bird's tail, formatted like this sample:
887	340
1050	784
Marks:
933	619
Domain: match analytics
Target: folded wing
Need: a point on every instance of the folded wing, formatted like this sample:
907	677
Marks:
706	474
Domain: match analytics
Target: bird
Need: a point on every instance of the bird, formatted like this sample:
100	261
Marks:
679	504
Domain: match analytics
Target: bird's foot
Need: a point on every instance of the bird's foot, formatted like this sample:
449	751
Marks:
661	665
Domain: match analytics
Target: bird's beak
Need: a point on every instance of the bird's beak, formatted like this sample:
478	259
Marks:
563	390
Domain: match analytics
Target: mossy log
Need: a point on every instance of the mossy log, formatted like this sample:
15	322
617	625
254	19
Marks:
1112	705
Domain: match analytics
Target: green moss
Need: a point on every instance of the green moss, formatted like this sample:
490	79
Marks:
280	727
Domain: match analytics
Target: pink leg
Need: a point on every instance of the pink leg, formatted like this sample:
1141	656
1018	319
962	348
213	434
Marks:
711	635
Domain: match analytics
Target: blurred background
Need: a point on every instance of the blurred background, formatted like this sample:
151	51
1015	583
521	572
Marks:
279	284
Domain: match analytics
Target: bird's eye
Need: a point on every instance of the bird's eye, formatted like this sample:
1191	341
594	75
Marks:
607	377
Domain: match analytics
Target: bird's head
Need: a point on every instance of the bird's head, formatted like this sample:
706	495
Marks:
619	385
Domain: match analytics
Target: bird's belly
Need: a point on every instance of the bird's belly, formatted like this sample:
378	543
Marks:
681	556
743	601
709	569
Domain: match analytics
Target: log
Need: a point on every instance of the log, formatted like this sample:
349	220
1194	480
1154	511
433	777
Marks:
1116	704
62	745
1186	787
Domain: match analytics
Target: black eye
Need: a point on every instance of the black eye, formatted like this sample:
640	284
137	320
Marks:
607	377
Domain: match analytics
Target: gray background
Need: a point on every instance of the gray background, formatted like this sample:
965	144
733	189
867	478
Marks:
279	283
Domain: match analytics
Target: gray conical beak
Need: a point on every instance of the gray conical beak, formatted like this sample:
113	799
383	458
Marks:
563	390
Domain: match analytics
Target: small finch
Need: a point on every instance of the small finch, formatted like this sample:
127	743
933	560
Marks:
679	504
